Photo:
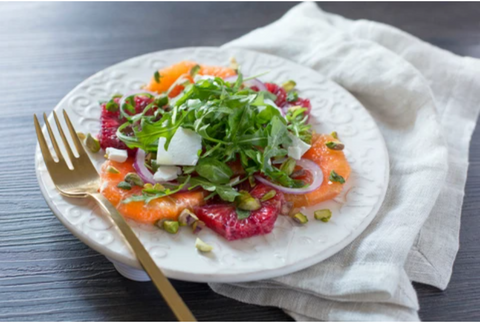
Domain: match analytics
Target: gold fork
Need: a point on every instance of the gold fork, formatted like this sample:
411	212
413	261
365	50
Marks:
83	182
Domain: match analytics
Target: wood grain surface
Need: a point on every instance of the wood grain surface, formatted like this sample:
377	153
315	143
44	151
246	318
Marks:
46	49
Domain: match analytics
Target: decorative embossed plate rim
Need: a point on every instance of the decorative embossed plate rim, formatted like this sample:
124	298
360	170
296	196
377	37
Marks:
289	247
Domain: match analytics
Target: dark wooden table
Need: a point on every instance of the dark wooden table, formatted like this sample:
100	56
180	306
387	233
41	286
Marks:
48	48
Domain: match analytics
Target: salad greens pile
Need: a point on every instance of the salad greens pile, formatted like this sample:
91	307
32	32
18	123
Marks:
236	123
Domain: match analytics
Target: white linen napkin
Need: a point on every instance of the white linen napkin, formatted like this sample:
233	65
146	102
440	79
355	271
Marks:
425	101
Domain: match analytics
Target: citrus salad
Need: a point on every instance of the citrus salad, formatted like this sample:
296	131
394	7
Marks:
205	146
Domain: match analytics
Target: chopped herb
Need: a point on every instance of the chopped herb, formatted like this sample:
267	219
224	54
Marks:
334	177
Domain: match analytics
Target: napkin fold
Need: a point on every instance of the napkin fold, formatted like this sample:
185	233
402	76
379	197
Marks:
425	101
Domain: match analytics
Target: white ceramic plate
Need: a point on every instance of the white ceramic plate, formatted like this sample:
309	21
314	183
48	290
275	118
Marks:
289	247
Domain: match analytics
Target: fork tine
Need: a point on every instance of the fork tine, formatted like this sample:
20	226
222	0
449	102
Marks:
64	139
80	149
52	138
47	156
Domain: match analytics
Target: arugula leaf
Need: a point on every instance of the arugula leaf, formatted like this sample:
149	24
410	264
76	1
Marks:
203	182
149	195
226	192
215	170
235	123
292	96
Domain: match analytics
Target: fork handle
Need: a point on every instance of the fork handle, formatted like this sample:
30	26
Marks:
162	283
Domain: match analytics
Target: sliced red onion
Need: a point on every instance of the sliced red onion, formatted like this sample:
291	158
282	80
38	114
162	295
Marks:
142	170
253	82
306	164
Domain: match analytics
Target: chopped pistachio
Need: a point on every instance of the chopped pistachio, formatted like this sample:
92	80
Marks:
159	223
148	158
112	170
202	246
158	187
300	218
295	107
92	143
105	156
157	76
247	202
234	64
148	186
81	136
170	226
334	134
194	70
323	215
298	173
134	179
288	166
198	226
335	145
334	177
251	181
267	196
187	217
289	85
124	186
286	208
